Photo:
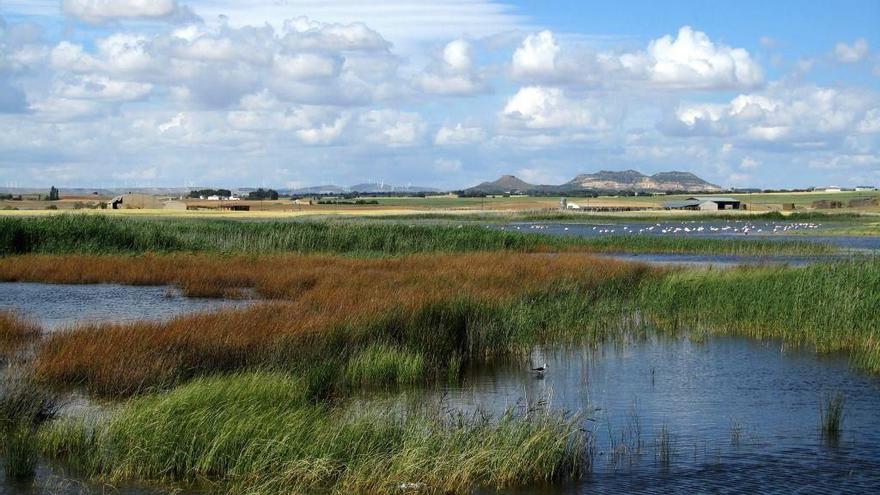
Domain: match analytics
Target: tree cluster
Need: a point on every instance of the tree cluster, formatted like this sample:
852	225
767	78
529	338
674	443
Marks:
261	194
223	193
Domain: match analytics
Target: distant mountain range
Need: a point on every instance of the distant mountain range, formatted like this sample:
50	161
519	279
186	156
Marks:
368	187
602	181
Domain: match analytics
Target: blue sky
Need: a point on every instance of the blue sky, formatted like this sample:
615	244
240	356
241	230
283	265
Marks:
444	93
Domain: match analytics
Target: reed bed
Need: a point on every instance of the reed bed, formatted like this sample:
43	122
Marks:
88	234
387	314
102	235
424	315
828	307
16	331
24	406
259	433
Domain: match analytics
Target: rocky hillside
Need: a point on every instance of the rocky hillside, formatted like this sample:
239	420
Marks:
631	180
604	181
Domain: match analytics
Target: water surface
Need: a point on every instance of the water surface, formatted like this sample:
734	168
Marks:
742	416
721	229
57	305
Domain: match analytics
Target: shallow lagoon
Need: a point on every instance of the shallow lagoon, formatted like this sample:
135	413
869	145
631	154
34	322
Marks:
54	306
742	415
719	229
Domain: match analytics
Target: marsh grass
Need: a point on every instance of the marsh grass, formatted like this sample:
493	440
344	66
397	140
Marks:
831	412
403	317
89	234
19	451
380	365
16	331
260	433
455	311
825	307
24	406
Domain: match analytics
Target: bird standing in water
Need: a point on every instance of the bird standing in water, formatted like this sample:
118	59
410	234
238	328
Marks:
539	371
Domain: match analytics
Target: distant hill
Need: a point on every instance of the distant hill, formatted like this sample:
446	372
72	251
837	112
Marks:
603	181
369	188
372	187
505	184
632	180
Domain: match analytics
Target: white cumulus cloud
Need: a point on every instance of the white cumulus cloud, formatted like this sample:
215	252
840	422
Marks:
688	61
96	11
692	60
538	107
850	54
459	134
801	117
536	57
453	73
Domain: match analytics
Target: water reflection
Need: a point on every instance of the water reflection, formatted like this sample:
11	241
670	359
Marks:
55	306
738	415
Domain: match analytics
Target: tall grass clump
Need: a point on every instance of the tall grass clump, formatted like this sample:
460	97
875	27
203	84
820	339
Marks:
383	365
831	411
23	407
829	307
15	331
258	433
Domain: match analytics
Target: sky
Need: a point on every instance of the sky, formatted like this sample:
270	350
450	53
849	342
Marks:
439	93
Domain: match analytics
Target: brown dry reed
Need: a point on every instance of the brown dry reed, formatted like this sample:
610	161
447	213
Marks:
323	311
15	331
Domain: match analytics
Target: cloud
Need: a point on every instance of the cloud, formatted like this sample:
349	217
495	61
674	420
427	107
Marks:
101	88
749	163
453	73
692	60
688	61
215	66
99	11
536	57
542	108
871	123
361	88
323	134
459	135
409	27
12	99
850	54
392	127
808	117
303	66
305	34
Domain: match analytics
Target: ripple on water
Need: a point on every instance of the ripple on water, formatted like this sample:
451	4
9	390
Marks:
57	305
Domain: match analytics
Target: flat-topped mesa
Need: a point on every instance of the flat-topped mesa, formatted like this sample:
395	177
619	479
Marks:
604	180
632	180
